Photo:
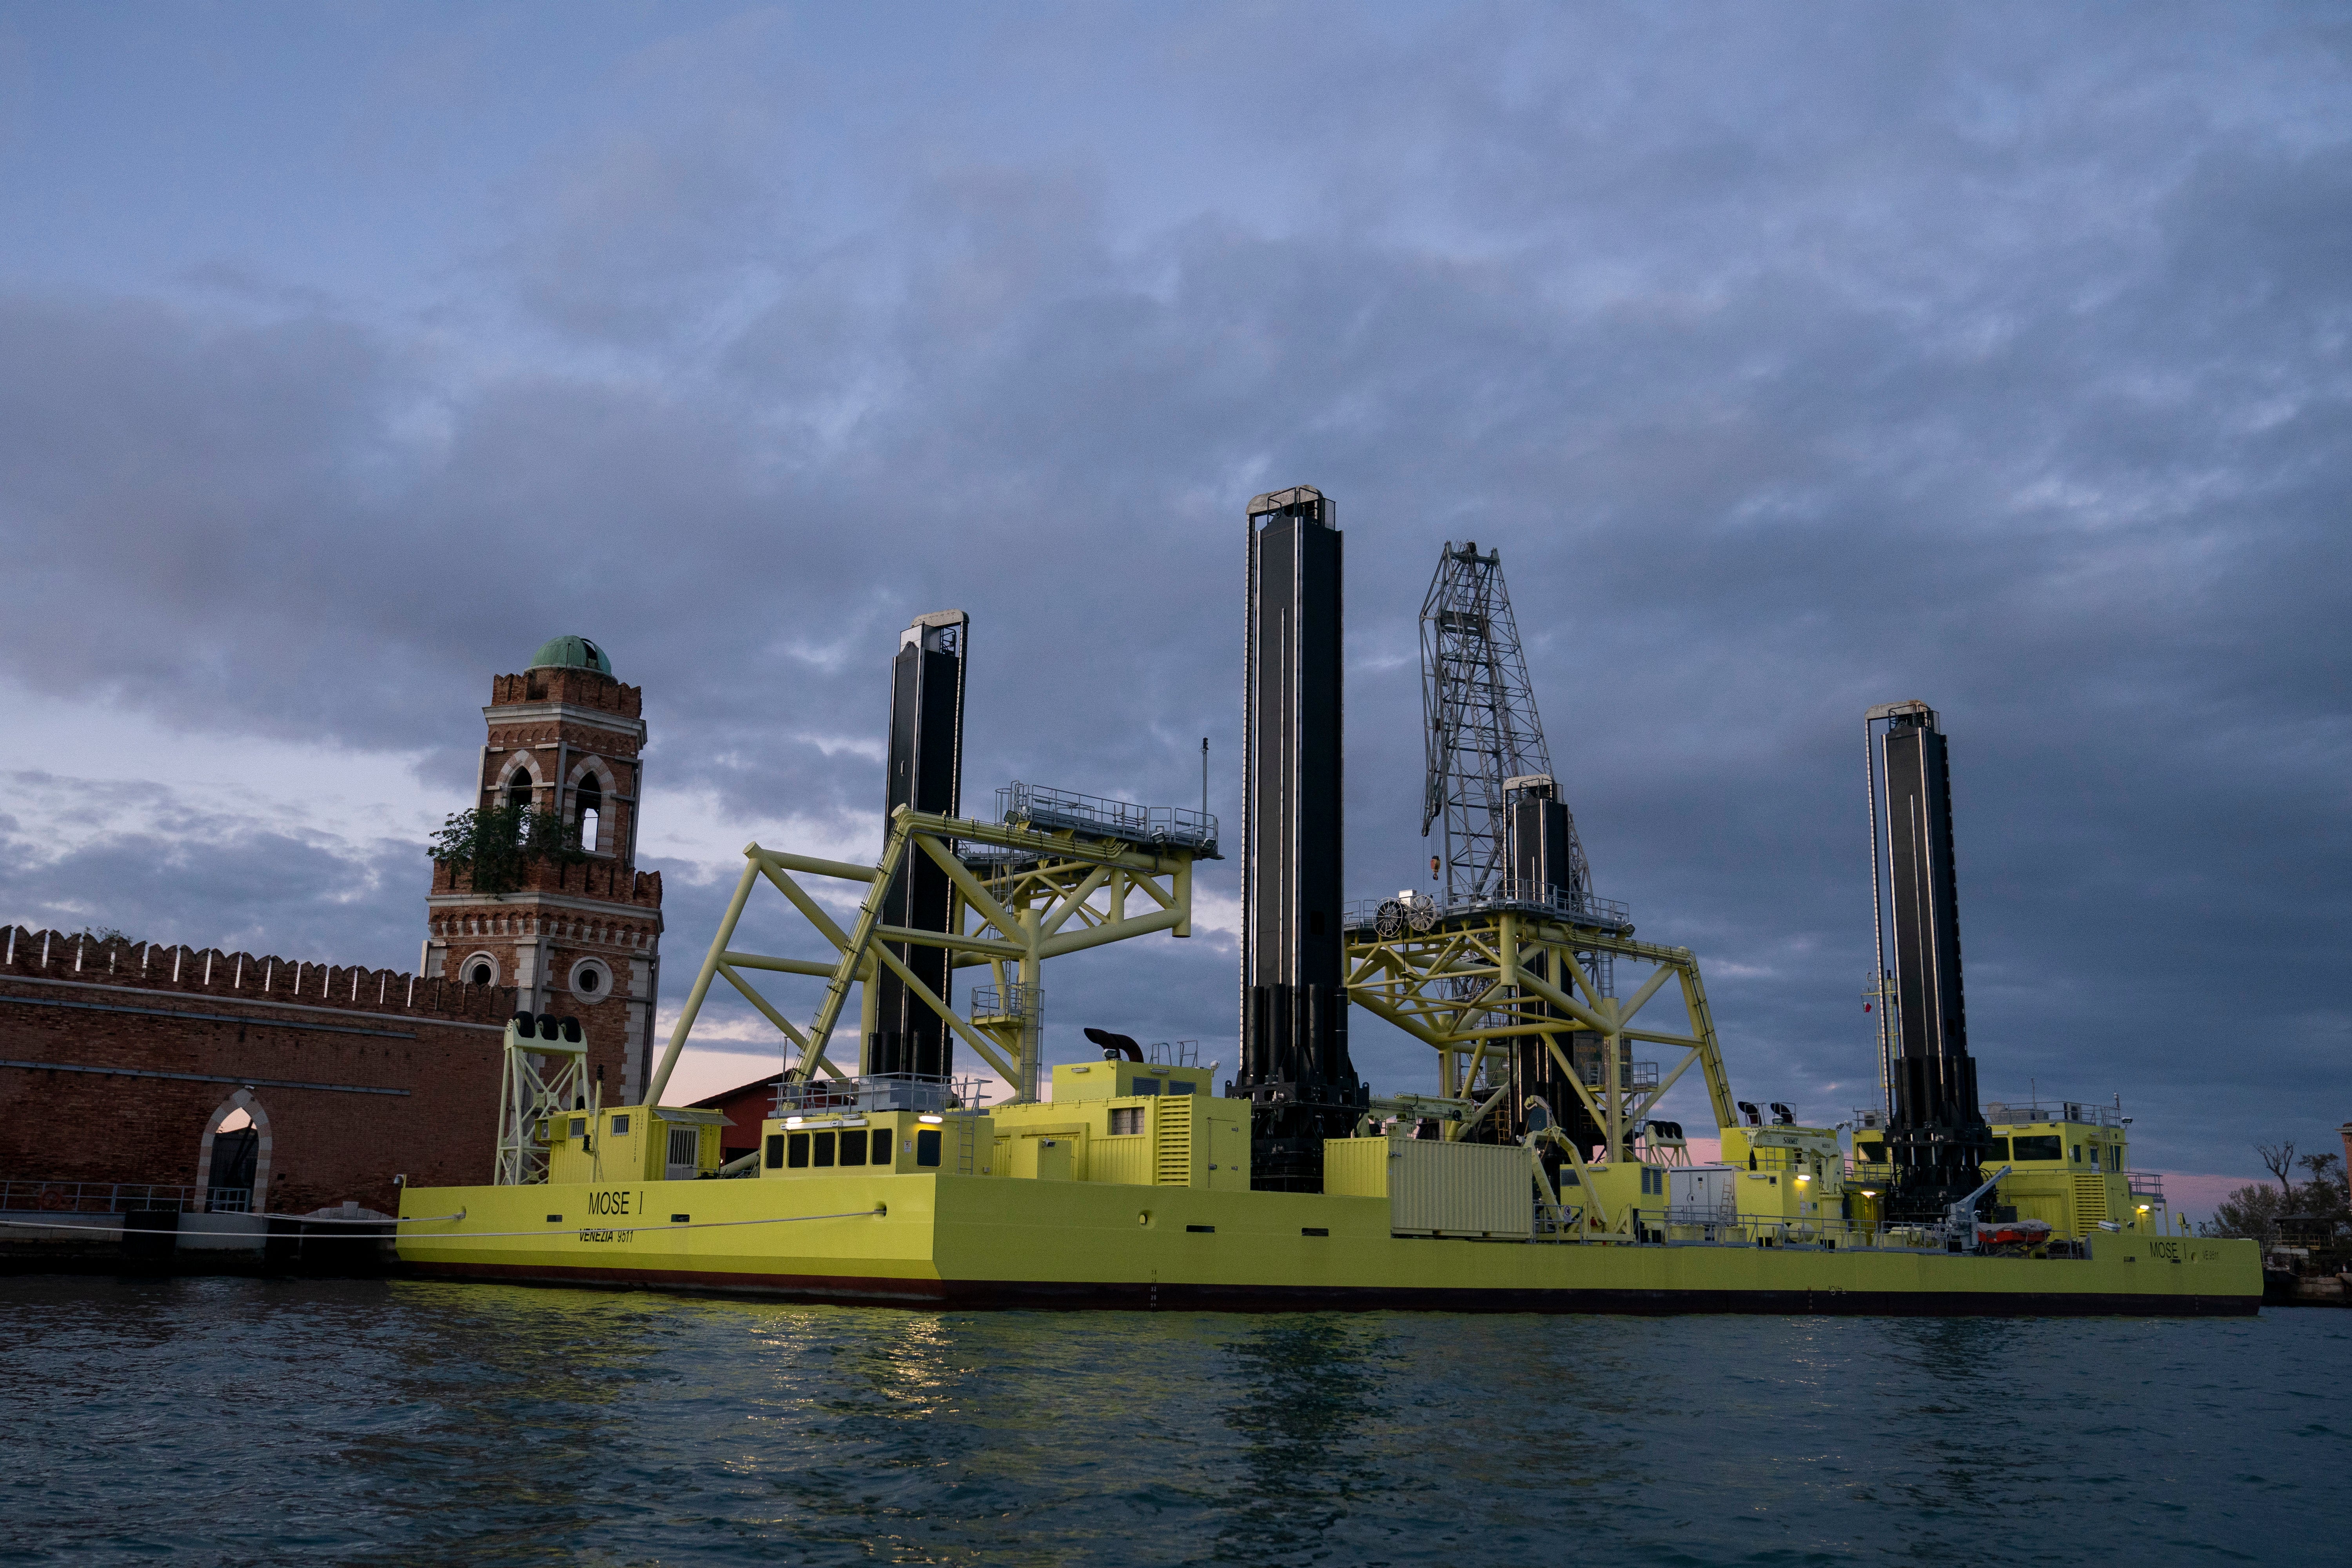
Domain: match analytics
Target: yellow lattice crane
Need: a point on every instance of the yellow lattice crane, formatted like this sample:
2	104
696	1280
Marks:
1062	874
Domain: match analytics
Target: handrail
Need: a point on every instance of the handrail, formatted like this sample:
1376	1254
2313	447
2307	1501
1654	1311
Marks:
58	1196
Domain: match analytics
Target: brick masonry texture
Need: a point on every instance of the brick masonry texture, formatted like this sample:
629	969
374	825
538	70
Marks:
76	1002
560	738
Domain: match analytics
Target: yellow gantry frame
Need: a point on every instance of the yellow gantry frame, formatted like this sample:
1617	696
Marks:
1473	980
1073	895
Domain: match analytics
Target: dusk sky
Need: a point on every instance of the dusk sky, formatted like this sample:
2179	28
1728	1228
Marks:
1795	359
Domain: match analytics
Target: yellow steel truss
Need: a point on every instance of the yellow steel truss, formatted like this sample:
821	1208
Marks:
1473	980
1044	894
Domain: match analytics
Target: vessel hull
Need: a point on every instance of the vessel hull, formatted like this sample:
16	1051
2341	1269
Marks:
933	1241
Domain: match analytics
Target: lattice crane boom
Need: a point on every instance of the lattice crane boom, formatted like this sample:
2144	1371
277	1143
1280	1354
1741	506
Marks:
1480	724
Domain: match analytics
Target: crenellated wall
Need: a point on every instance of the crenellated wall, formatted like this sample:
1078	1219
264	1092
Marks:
580	687
210	972
588	880
119	1059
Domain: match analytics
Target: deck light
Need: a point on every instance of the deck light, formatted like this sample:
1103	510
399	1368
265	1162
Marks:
931	1121
792	1121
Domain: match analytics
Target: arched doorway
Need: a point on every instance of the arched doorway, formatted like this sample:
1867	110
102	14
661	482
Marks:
232	1162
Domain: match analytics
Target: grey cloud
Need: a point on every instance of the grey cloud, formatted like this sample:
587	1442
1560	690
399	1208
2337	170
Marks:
209	879
1795	363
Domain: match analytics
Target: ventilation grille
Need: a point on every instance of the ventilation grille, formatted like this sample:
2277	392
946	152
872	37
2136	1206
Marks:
2090	1201
682	1143
1171	1142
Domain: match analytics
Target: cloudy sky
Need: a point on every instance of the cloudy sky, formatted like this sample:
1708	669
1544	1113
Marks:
1795	359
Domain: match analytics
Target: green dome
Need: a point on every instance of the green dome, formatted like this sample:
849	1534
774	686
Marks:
571	653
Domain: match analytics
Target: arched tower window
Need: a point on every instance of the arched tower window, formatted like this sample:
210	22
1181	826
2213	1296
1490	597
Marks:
591	796
519	787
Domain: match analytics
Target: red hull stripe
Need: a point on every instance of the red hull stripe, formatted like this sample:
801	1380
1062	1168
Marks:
1013	1293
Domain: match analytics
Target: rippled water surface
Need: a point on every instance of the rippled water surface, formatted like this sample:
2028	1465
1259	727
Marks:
255	1421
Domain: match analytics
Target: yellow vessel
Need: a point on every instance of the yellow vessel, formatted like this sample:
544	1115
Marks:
1539	1177
1130	1189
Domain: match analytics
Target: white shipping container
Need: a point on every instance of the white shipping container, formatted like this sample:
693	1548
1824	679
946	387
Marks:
1436	1188
1702	1194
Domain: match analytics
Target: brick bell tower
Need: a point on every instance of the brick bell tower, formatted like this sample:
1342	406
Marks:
582	940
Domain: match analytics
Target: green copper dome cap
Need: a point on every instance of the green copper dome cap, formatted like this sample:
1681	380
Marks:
571	653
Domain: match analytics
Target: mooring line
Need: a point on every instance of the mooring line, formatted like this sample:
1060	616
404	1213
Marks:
445	1236
298	1219
633	1229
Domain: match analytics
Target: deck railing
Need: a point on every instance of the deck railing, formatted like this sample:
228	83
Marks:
1052	810
22	1195
878	1091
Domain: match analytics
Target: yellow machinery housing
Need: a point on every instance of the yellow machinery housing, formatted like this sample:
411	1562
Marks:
630	1143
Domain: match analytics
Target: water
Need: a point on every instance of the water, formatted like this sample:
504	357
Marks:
238	1421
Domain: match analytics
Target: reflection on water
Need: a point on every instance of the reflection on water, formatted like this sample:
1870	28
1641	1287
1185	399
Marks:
1304	1394
247	1421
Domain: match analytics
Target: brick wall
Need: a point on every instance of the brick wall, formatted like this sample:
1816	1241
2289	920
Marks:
354	1075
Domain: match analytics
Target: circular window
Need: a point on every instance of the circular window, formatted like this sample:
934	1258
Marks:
591	981
481	969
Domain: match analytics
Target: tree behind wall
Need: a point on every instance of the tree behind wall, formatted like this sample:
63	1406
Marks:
496	844
2254	1210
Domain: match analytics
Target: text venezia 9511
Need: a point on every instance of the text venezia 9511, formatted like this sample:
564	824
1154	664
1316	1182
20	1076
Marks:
613	1202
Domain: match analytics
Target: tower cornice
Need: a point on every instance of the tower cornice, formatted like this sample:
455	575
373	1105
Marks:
499	714
605	909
